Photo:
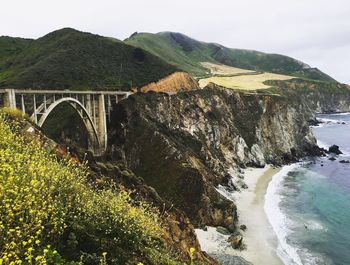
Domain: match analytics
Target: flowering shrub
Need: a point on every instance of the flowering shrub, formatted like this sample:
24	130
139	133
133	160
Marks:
49	214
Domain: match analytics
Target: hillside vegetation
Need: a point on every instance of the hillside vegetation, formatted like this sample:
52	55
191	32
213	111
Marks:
189	54
10	46
50	214
70	59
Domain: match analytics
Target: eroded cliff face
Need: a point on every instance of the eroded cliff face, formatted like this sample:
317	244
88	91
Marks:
175	82
316	96
185	145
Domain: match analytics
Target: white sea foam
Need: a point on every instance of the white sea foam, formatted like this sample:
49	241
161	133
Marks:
278	220
330	121
342	114
282	225
323	144
314	225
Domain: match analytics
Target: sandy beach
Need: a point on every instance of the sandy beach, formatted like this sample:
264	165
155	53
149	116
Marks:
259	238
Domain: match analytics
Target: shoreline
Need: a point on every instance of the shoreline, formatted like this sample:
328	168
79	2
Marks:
259	238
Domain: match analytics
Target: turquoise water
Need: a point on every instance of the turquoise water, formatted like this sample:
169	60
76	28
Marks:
308	204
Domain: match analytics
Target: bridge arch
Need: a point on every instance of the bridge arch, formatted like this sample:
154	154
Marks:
94	140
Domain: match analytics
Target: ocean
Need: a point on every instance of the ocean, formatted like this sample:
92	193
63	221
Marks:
308	203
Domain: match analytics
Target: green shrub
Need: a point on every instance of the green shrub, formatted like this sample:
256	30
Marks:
14	113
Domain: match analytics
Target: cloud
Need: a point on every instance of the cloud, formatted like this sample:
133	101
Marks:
314	31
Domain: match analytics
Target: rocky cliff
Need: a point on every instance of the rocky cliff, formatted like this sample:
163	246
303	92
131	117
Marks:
175	82
315	95
176	149
185	145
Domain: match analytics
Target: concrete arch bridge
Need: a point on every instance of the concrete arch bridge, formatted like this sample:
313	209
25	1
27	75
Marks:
93	107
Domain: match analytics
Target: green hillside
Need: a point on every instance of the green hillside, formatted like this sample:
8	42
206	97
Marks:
70	59
185	55
188	54
10	46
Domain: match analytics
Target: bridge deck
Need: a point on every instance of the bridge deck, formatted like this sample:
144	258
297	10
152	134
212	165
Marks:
68	92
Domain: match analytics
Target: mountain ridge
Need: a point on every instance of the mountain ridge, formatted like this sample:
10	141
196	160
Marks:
168	44
71	59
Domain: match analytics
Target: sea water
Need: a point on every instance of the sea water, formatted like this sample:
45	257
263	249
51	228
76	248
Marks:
308	204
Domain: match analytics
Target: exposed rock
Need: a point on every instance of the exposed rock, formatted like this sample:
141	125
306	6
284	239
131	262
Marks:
243	227
175	82
258	156
344	161
235	240
315	96
222	230
332	158
186	144
316	151
315	122
244	186
335	149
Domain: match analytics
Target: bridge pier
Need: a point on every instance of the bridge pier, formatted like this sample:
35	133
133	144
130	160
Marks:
10	98
102	122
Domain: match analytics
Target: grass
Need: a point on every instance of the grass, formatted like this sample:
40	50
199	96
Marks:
244	82
180	54
220	69
50	214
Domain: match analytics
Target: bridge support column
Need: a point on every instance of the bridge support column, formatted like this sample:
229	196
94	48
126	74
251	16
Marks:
10	98
88	104
101	122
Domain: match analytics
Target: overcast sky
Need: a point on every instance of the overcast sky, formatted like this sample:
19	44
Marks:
314	31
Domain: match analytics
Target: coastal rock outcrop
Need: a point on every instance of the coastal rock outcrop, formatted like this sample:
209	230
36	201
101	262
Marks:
185	145
235	241
335	150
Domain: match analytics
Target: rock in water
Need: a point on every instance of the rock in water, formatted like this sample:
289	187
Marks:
335	149
314	122
235	240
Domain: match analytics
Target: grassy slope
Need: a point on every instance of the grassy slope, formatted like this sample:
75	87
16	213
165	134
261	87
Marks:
71	59
165	47
51	214
245	82
187	54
